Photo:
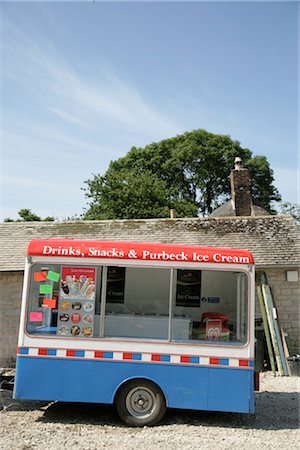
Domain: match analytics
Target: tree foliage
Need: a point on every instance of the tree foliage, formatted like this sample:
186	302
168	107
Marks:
26	215
189	173
292	209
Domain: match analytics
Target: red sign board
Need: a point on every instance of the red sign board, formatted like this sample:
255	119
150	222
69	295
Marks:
142	251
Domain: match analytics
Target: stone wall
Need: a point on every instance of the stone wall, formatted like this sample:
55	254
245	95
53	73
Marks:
10	304
286	297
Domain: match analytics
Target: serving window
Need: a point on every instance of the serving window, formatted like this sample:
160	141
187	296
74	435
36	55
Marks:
78	301
220	312
145	310
63	300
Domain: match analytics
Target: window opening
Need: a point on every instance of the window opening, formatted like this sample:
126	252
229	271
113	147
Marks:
63	300
220	313
144	312
138	302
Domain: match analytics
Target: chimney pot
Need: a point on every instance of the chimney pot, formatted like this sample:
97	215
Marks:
238	163
172	213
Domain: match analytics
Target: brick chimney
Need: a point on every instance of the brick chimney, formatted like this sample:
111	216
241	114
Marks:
240	189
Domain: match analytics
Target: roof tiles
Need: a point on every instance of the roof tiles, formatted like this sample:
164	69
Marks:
273	240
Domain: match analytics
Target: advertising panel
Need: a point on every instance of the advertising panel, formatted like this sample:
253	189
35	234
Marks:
188	292
76	306
115	284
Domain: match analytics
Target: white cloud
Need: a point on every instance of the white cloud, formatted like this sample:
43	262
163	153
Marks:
30	135
62	123
67	116
94	99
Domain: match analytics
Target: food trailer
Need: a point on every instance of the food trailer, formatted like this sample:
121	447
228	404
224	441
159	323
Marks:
144	326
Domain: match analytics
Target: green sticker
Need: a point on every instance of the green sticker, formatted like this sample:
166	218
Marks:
53	276
45	289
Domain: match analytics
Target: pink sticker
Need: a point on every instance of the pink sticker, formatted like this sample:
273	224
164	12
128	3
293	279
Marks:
36	317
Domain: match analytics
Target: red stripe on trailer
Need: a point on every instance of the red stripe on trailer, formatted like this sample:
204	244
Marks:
243	363
214	361
185	359
130	356
43	351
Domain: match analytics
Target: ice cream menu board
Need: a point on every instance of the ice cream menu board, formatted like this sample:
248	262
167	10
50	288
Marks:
188	292
115	284
76	306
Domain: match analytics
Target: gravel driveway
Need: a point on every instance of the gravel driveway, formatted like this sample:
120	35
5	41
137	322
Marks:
37	425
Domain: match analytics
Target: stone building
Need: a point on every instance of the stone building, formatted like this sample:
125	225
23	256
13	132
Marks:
273	240
238	223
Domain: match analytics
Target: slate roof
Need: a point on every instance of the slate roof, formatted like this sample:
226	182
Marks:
227	210
273	240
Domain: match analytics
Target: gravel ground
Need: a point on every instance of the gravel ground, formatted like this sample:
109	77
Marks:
40	425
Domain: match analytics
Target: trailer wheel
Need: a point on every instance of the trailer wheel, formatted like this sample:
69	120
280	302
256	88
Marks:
140	402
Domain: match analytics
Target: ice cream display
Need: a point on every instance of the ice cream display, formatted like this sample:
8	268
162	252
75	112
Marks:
77	285
77	293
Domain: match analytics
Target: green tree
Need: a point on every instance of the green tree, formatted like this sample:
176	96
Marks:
26	215
262	190
292	209
189	173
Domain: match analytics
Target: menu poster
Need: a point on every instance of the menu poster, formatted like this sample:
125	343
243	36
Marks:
78	282
76	306
115	284
188	289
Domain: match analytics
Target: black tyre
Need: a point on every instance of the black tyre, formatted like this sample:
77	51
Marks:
140	402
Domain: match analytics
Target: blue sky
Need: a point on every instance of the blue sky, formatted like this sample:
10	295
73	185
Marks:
83	82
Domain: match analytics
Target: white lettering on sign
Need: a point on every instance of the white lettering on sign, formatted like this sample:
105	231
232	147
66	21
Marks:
112	253
218	258
165	256
61	251
200	258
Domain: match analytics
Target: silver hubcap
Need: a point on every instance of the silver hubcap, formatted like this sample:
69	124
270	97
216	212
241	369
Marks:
140	402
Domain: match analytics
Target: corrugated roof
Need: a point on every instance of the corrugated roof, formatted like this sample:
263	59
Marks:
273	240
